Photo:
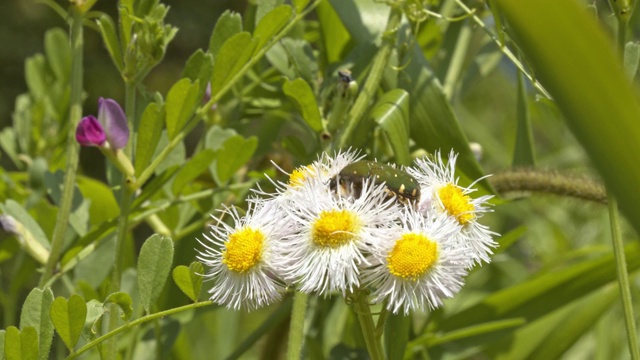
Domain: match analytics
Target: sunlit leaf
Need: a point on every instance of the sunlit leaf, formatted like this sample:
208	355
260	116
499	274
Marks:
189	279
68	318
154	264
227	25
271	23
302	96
149	133
35	313
181	104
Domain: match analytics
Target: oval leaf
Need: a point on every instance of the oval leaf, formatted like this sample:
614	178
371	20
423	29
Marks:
271	23
68	317
189	279
35	313
192	169
227	25
234	154
148	135
21	345
108	31
181	104
233	54
302	96
154	264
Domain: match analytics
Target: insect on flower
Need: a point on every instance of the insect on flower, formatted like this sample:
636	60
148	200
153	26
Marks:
399	184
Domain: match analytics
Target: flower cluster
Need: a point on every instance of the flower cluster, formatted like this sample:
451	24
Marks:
333	230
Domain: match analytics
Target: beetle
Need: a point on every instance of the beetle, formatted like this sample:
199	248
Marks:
399	183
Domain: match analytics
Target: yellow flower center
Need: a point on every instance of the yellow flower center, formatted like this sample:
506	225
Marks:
335	228
243	250
298	176
456	203
412	256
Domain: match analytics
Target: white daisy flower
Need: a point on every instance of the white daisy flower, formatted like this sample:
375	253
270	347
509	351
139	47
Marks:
420	266
240	257
330	235
324	169
440	192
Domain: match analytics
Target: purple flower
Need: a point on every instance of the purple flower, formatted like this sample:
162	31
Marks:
111	126
90	132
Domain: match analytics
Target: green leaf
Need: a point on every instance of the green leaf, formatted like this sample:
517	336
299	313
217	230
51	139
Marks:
110	39
192	169
234	154
199	67
561	328
176	156
270	24
35	313
16	210
391	113
631	59
181	104
302	96
154	264
58	50
302	58
35	75
189	279
396	335
373	16
524	153
21	345
233	55
149	134
95	310
123	300
554	290
68	317
435	126
335	36
228	24
599	105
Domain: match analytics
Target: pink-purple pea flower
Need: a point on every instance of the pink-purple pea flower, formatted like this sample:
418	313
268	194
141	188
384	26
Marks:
110	127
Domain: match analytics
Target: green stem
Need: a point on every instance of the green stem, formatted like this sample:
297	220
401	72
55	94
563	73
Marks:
457	60
73	148
202	111
365	318
296	329
135	323
123	224
372	83
623	279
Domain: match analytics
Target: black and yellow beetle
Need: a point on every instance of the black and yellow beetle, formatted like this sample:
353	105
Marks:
398	183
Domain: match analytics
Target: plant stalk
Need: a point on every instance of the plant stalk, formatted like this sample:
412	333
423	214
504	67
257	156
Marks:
365	318
623	279
126	196
378	66
73	148
296	329
135	323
